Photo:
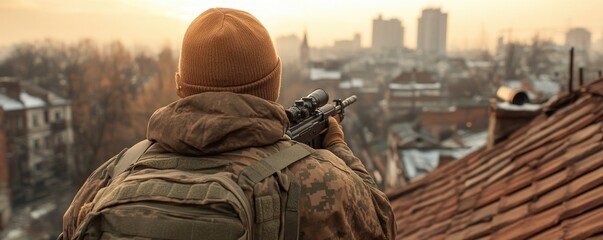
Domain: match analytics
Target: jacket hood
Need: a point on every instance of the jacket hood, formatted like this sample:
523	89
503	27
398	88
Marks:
216	122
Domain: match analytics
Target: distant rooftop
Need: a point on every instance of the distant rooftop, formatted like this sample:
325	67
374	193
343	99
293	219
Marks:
29	96
9	104
31	101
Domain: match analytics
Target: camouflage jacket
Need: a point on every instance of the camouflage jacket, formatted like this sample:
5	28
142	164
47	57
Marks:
339	200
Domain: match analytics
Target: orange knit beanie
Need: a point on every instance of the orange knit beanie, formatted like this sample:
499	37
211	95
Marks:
228	50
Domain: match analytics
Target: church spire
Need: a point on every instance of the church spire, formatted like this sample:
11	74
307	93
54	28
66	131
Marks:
304	54
305	42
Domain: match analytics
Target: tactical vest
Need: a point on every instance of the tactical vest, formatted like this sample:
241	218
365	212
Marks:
170	196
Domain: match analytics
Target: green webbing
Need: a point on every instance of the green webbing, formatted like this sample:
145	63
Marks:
156	187
130	157
172	228
264	168
292	209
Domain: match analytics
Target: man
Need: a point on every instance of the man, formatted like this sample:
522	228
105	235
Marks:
229	80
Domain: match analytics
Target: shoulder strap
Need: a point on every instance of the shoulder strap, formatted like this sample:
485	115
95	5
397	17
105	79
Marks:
292	208
268	166
264	168
130	157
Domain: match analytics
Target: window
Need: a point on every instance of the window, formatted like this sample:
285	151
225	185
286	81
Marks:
47	142
46	120
36	144
34	120
59	139
19	123
38	166
57	116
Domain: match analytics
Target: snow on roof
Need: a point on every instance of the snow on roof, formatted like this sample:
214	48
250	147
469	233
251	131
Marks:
31	101
546	86
352	83
416	86
479	64
9	104
56	100
475	140
324	74
524	107
42	210
419	162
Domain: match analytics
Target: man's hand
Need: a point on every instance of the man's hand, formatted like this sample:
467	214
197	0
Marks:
333	135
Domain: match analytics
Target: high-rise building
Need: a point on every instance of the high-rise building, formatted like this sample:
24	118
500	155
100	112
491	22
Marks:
432	32
578	38
387	34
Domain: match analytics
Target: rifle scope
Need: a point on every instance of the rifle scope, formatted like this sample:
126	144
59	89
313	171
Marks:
307	106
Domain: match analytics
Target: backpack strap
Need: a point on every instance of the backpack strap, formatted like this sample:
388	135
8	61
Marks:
264	168
268	166
292	208
130	157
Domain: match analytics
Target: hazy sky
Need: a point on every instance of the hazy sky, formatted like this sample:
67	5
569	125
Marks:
471	23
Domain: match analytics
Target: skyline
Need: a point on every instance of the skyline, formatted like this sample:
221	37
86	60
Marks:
471	24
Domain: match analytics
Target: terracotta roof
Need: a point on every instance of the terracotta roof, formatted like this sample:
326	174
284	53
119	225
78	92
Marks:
544	182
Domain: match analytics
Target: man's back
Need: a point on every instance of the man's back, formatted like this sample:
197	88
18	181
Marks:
336	201
230	115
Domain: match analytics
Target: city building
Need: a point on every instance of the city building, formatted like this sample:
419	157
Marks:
348	45
411	92
39	137
579	38
388	34
5	204
432	32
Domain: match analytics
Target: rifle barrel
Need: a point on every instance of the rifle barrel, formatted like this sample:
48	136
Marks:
349	101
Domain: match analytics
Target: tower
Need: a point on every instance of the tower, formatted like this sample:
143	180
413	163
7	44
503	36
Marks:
387	34
304	52
432	32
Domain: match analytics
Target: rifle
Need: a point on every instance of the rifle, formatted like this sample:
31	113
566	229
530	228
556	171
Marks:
308	118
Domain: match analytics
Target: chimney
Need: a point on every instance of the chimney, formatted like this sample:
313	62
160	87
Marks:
511	113
513	96
11	87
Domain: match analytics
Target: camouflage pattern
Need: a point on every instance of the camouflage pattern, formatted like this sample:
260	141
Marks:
82	202
339	200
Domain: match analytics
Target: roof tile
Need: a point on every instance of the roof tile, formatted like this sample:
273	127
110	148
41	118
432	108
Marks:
553	233
478	230
550	199
586	182
583	203
485	213
508	217
517	198
526	227
491	193
435	229
591	223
